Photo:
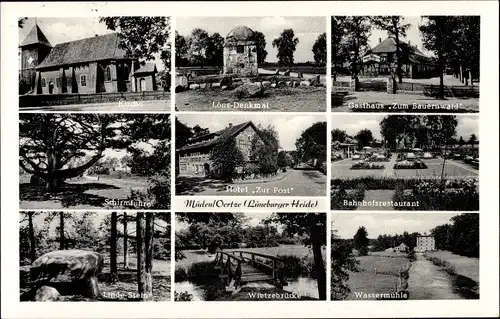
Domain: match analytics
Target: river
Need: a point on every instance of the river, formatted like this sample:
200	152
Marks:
303	286
430	282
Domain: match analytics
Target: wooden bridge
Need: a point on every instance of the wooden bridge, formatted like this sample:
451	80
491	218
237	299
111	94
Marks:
239	267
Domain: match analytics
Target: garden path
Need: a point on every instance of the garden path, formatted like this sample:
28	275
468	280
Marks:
389	166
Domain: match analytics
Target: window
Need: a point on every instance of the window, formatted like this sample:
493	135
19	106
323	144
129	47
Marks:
240	49
58	82
44	82
83	80
107	74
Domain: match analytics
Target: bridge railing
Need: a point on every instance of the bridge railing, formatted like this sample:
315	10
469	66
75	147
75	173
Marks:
272	264
230	268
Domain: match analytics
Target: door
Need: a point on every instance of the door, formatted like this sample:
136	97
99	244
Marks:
143	84
51	87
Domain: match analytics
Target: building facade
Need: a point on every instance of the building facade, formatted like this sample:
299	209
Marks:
382	60
194	157
425	243
86	66
240	52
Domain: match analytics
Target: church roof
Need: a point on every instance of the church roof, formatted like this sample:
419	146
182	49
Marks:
146	68
227	132
104	47
35	36
240	33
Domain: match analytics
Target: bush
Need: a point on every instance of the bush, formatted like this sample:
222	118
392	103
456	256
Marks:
294	266
183	296
363	251
339	195
416	164
366	165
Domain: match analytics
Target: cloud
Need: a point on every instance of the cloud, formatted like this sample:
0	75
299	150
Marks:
273	23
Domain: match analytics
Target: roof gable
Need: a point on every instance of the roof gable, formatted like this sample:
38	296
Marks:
228	132
104	47
35	36
146	68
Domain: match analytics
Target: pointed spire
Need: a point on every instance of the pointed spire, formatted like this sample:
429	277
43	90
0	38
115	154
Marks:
35	36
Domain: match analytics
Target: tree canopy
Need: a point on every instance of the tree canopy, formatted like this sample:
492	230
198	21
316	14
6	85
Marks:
319	49
312	143
286	44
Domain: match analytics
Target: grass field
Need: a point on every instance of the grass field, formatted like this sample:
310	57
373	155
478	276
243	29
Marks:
378	273
300	99
80	193
464	266
456	169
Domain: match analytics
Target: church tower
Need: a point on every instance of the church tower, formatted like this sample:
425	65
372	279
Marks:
34	48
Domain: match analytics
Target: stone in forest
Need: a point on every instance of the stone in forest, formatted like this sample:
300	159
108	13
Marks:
46	293
305	83
71	272
194	86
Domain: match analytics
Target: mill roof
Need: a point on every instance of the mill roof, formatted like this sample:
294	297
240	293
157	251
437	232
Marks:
231	131
104	47
35	36
240	33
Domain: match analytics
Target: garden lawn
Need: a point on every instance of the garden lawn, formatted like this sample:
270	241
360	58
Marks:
366	280
299	99
80	193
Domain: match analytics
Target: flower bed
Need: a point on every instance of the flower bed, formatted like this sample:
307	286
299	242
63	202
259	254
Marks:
366	165
416	164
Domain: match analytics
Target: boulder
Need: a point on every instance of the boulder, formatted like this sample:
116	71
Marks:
281	84
249	90
266	84
46	293
215	85
287	73
300	75
179	89
295	83
194	86
71	272
289	83
305	83
273	85
277	72
226	81
315	81
203	85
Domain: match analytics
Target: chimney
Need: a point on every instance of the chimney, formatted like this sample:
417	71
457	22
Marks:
230	125
379	40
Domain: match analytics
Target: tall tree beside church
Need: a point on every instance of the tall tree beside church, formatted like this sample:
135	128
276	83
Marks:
437	36
319	49
337	36
286	45
142	37
260	40
113	272
395	28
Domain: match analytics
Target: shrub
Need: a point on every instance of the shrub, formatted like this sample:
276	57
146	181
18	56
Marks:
366	165
363	251
183	296
339	195
416	164
294	266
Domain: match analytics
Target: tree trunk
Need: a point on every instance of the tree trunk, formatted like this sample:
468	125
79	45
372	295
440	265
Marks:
461	74
61	231
125	241
113	273
149	245
32	237
318	259
141	262
441	76
398	53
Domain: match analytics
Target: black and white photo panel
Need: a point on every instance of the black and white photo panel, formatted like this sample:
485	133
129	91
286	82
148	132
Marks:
94	161
94	64
260	256
250	155
250	64
427	64
94	256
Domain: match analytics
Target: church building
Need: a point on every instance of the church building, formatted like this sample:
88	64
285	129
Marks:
87	66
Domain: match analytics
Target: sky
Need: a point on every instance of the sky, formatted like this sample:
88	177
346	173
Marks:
307	30
60	30
353	123
289	127
376	224
255	219
412	34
